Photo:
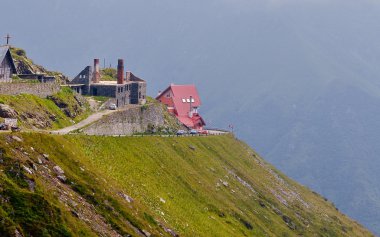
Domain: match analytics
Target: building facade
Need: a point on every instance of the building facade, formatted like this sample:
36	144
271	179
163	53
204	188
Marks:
128	89
183	101
7	66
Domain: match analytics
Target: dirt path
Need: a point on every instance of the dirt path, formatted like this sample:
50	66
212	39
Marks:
92	118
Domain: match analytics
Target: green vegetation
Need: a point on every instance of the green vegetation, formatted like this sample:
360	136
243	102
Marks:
171	124
57	111
194	186
108	74
25	65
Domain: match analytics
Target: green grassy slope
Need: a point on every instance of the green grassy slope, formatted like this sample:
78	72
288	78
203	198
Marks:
57	111
190	186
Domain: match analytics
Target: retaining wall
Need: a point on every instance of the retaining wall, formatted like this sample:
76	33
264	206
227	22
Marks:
39	89
127	122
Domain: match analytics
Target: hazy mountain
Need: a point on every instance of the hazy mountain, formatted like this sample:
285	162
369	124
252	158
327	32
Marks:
298	79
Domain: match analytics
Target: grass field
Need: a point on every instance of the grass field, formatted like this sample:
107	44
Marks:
195	186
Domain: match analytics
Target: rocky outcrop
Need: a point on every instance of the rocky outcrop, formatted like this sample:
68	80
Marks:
7	112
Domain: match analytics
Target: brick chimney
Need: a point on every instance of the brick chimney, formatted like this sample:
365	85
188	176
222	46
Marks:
120	71
96	75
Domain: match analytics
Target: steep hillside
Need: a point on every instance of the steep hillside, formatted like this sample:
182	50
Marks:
33	112
261	65
151	186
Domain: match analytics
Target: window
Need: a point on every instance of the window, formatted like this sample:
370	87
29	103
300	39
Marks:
84	76
184	100
192	100
188	100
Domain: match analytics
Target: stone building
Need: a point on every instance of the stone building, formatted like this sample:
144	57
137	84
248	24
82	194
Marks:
7	66
128	89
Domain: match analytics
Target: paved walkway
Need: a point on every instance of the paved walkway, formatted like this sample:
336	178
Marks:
92	118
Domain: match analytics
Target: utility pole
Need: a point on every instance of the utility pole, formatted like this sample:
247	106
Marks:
232	128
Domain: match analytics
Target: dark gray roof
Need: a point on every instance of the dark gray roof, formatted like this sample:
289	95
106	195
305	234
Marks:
4	51
132	77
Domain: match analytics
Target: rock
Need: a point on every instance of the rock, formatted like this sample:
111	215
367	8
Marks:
29	171
192	147
16	138
62	178
289	222
31	185
162	200
7	112
81	169
46	156
126	197
74	213
167	230
35	167
146	233
171	232
18	234
225	183
39	161
58	170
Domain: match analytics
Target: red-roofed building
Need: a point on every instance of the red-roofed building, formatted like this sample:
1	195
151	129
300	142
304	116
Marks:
183	101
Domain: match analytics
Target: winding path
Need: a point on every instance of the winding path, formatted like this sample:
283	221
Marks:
92	118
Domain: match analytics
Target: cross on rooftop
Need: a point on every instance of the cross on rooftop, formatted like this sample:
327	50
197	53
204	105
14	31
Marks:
8	37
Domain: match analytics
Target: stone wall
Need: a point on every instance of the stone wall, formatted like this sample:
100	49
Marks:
129	121
40	89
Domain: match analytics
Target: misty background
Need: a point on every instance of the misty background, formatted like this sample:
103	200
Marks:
298	79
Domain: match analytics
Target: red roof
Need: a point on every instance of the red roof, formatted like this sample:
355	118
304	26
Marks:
180	96
194	122
181	93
